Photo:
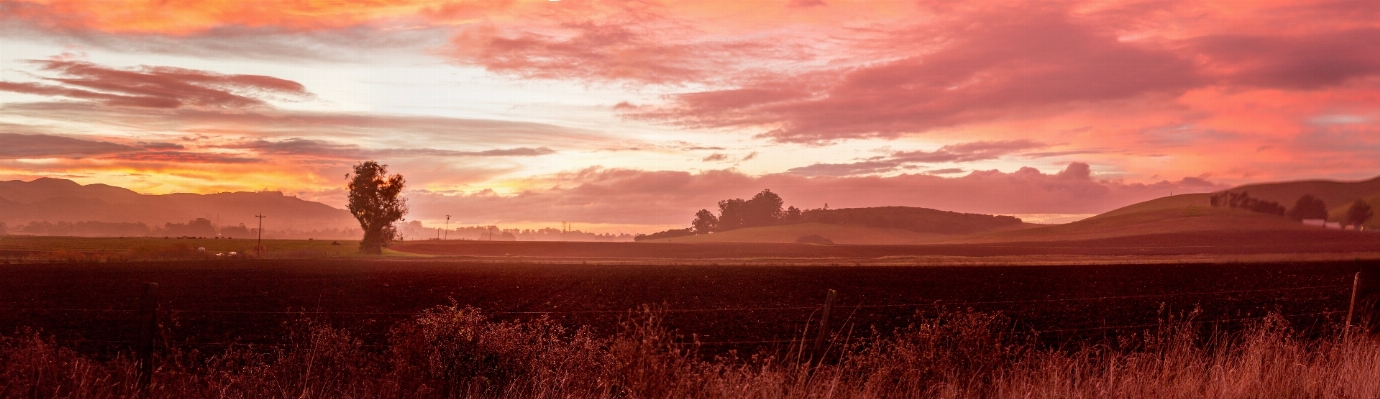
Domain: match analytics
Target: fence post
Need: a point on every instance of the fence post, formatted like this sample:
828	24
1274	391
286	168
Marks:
1364	314
1351	310
824	325
148	327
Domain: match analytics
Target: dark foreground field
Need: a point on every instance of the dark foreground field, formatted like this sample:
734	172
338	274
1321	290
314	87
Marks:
1293	242
209	304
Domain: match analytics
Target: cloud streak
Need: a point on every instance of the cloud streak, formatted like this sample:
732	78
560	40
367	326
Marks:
155	87
37	146
326	149
963	152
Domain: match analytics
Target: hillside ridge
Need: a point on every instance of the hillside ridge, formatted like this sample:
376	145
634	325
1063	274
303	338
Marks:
60	200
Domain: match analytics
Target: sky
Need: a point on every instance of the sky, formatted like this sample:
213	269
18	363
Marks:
627	116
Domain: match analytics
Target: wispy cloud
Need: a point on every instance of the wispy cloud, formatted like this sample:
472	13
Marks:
50	146
963	152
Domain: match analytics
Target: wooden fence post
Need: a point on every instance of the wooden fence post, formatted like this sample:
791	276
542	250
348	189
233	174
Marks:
1351	309
824	325
1364	312
148	328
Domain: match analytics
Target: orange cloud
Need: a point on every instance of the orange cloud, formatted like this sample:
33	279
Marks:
190	17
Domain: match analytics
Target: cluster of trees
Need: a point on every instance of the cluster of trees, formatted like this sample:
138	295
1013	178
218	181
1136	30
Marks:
1242	200
763	209
1307	207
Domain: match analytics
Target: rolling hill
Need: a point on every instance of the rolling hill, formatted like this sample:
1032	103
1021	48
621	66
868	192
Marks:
59	200
838	233
1190	219
1338	211
1181	201
891	225
1184	219
1333	193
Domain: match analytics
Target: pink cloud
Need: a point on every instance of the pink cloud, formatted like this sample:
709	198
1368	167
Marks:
45	146
330	150
155	87
988	66
962	152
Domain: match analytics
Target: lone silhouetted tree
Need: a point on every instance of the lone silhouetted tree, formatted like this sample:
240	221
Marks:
1308	207
1359	213
705	222
375	201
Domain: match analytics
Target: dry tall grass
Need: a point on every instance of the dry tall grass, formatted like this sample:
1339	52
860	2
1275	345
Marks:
453	352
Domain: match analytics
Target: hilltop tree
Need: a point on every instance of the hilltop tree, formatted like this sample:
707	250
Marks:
1359	213
764	209
731	214
792	215
704	222
375	201
1308	207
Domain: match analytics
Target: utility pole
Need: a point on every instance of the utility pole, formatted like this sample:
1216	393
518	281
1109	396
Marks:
260	248
447	227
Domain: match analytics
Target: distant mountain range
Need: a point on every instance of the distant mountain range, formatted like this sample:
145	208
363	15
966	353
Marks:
59	200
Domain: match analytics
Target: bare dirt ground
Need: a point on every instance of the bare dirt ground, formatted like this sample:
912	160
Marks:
1283	244
210	304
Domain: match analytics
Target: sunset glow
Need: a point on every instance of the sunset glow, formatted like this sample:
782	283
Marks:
628	115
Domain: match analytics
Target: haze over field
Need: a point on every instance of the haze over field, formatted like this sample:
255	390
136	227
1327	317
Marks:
627	116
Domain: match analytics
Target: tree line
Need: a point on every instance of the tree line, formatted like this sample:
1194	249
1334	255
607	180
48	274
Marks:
763	209
1307	207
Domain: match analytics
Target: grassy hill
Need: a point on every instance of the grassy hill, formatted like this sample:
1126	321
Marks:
838	233
58	200
1338	211
920	220
1189	217
891	225
1181	202
1334	193
1157	219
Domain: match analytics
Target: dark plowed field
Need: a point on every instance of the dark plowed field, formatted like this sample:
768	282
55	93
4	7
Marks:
1250	242
210	303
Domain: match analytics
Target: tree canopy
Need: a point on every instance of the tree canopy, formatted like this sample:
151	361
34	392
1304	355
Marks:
1308	207
375	200
1243	200
1359	213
